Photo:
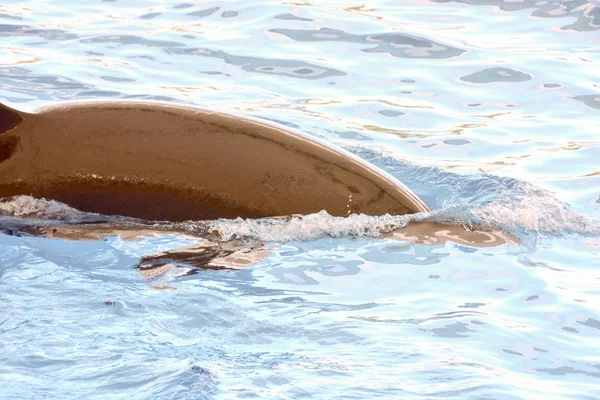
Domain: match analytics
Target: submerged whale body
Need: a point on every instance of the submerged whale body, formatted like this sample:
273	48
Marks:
166	162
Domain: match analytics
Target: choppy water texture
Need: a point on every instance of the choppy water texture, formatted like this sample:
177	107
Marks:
487	109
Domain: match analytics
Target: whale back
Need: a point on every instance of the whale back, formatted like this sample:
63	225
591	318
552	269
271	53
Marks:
165	162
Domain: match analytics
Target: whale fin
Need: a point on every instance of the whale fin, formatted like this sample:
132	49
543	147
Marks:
9	118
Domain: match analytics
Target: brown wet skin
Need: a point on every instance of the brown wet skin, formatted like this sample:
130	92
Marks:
165	162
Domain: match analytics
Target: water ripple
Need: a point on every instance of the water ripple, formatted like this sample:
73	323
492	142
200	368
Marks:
585	12
487	109
395	44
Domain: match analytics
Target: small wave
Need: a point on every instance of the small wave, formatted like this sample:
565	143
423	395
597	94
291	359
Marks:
514	205
27	206
31	208
518	207
536	211
308	227
537	217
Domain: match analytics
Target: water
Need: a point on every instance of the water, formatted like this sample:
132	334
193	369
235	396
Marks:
487	109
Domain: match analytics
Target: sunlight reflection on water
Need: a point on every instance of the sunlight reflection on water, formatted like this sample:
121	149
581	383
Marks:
474	104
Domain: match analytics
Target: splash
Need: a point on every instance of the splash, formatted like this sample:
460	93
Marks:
27	206
308	227
517	207
509	203
536	216
472	200
537	211
30	210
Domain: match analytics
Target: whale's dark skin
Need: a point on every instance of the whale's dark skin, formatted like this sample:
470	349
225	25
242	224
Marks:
165	162
160	162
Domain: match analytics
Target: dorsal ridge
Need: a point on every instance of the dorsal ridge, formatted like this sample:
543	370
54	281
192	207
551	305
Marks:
9	118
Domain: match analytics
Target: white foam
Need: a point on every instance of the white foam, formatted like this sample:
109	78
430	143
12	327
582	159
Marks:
537	211
530	212
522	209
308	227
27	206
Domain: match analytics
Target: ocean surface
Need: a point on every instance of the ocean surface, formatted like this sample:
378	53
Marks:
487	109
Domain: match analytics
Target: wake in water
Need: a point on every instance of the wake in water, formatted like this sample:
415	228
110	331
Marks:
473	210
471	200
514	205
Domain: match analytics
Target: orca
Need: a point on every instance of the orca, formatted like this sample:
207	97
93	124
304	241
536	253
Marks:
168	162
150	161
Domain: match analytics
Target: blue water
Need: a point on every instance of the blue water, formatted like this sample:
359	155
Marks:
489	110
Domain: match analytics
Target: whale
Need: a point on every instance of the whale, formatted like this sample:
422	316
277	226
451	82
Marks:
142	162
170	162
